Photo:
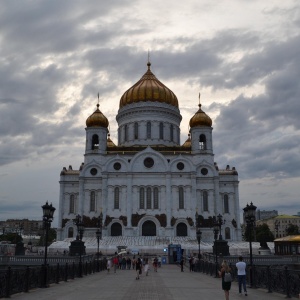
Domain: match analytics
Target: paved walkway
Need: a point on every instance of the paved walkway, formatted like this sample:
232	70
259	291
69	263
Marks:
167	284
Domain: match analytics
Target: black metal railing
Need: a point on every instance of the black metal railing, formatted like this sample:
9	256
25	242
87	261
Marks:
15	280
280	279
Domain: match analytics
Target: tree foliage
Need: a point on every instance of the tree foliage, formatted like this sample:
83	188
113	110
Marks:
292	229
51	237
12	237
260	233
263	233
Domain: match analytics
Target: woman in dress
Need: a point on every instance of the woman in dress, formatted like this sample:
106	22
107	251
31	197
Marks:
225	285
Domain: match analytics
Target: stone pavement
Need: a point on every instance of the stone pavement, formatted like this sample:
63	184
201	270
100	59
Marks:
168	283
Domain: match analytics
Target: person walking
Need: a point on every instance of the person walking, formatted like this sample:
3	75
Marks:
138	268
155	262
181	264
146	267
115	263
225	274
108	265
241	273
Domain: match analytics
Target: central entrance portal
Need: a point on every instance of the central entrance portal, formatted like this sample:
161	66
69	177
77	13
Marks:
149	229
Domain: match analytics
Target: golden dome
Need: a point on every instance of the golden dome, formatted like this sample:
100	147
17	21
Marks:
188	142
97	119
200	119
148	88
109	142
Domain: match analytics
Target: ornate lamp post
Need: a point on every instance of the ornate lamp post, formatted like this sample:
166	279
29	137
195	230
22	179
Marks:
217	225
216	232
80	230
249	215
48	212
99	237
198	233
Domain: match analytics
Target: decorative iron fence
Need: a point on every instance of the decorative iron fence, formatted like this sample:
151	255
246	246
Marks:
17	280
278	279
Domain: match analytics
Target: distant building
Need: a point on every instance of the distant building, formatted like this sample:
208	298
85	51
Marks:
22	226
279	224
265	214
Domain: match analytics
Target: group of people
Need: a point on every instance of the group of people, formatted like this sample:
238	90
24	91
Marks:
225	274
138	264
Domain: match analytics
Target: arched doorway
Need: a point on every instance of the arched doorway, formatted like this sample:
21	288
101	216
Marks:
116	229
181	229
149	229
70	232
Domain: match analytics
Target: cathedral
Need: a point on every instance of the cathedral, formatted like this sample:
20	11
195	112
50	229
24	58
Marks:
149	184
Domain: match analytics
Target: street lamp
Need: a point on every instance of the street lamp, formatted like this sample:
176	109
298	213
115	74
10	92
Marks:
249	215
99	236
216	231
80	230
48	212
198	233
217	228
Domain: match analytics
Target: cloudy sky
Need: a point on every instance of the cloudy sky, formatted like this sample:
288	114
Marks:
55	56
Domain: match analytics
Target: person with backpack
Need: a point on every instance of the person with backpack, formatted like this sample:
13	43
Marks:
225	274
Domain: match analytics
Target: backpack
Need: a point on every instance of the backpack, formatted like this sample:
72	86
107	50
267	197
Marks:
227	277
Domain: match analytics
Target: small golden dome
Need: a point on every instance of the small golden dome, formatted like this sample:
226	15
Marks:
97	119
109	142
200	119
188	142
148	88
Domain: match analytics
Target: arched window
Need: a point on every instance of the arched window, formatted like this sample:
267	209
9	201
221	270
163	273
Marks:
142	198
136	131
155	196
181	198
72	204
202	142
92	201
148	130
117	198
116	229
126	133
149	200
95	142
205	201
161	130
226	204
181	229
171	133
227	233
70	232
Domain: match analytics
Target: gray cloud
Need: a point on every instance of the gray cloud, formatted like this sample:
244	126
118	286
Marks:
56	56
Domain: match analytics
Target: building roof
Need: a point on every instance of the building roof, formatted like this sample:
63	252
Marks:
289	238
286	217
148	88
97	119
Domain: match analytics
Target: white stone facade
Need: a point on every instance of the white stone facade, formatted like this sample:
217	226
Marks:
149	184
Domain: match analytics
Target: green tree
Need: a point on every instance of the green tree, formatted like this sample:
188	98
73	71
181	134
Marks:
292	229
11	237
264	234
260	233
51	237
